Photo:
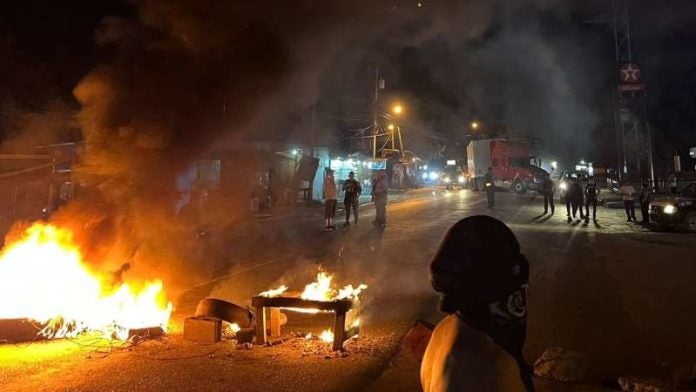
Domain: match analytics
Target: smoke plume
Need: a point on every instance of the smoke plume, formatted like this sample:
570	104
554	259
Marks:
188	77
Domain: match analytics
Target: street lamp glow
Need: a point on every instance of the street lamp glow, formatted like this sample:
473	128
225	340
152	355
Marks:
474	125
295	152
397	109
390	127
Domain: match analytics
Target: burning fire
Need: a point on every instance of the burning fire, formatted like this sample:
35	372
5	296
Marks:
234	328
327	336
274	292
321	290
44	275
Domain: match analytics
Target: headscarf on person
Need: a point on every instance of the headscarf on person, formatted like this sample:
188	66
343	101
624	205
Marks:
482	278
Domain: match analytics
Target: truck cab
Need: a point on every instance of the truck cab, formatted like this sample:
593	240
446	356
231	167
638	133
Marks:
511	163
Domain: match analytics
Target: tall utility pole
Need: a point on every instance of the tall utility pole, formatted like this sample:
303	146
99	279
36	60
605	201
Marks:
375	113
622	31
631	131
622	44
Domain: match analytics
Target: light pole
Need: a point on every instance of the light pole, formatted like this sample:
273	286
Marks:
391	127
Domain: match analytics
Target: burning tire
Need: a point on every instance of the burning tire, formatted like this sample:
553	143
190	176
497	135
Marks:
226	311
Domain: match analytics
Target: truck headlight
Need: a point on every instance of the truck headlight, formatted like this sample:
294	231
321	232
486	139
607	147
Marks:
460	179
563	186
447	180
669	209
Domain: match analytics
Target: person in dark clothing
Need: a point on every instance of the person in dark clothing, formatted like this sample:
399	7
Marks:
548	189
482	278
578	198
351	197
645	204
591	193
568	196
489	180
380	188
574	197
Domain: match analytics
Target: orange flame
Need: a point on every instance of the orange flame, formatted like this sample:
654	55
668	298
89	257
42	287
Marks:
47	280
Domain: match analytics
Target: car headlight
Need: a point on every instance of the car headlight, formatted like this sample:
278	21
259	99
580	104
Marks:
460	179
447	180
669	209
563	186
433	175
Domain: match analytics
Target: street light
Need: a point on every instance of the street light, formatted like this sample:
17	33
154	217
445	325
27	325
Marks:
397	109
474	125
390	127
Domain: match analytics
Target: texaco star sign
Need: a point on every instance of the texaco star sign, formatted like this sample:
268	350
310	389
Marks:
630	73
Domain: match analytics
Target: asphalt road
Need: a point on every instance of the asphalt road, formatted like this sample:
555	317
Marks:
613	290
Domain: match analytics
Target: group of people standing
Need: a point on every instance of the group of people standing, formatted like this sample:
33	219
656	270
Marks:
351	198
578	199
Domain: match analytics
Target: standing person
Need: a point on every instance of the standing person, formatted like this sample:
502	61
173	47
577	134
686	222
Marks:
548	189
672	181
568	195
627	192
645	204
591	193
351	197
489	180
574	197
379	197
330	195
482	278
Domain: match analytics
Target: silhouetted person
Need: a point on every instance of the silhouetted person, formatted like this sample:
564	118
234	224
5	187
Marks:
351	197
591	194
672	182
379	197
548	189
574	197
330	194
482	278
489	180
645	204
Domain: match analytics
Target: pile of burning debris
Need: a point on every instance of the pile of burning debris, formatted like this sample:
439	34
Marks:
264	323
48	291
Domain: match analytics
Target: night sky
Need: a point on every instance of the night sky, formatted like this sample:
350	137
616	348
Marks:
534	68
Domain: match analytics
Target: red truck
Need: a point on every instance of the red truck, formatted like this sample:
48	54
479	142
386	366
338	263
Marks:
511	163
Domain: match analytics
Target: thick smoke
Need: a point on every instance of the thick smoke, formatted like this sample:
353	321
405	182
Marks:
189	77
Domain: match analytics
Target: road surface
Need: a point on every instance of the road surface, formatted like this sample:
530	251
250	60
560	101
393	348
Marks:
620	294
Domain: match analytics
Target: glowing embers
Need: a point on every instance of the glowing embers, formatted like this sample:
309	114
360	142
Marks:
43	278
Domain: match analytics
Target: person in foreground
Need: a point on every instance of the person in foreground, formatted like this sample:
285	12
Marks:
482	278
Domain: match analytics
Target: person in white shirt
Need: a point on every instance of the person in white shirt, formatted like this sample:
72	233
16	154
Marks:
628	192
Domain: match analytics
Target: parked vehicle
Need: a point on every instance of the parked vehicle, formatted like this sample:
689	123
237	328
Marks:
511	163
675	211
